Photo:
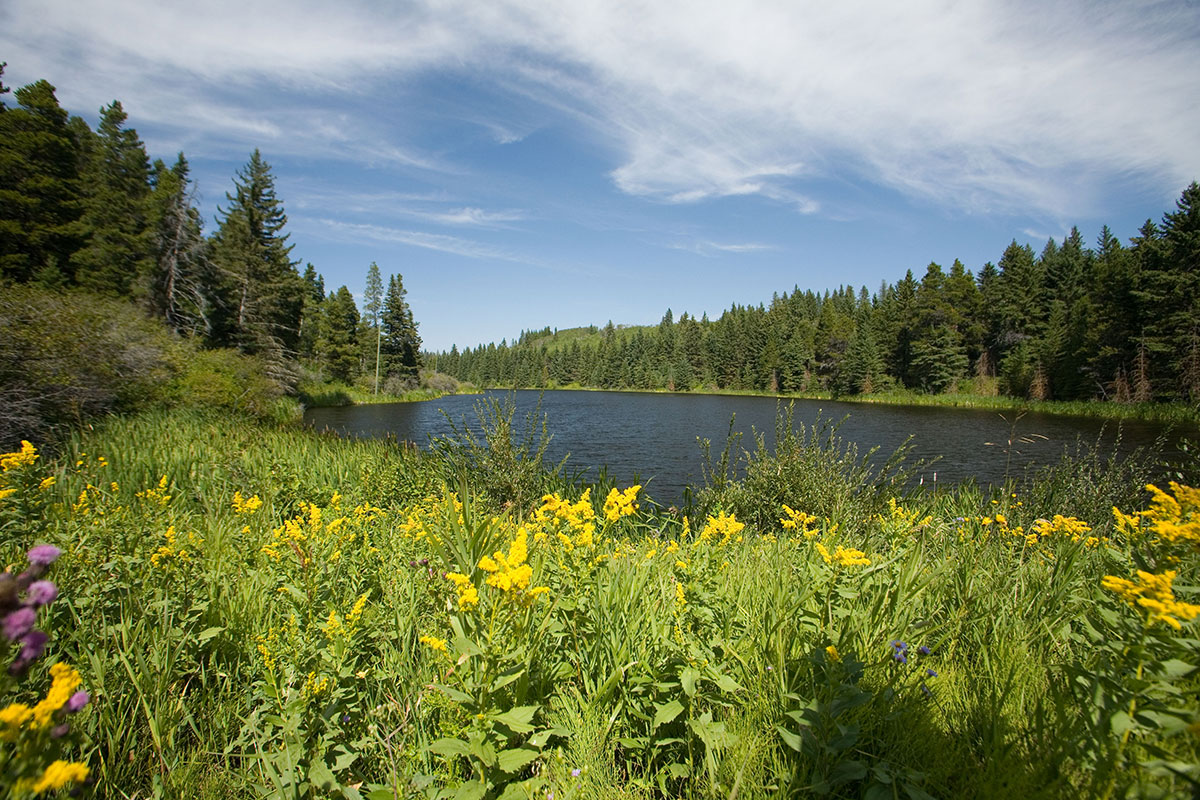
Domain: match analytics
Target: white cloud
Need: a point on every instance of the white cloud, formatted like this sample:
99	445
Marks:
996	106
706	247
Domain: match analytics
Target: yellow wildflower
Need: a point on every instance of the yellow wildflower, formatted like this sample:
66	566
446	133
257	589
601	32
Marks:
724	525
1153	593
65	680
824	553
436	644
243	505
848	557
832	654
620	504
58	775
468	595
47	483
20	458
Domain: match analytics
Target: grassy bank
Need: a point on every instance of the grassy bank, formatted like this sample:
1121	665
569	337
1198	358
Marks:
261	611
1147	412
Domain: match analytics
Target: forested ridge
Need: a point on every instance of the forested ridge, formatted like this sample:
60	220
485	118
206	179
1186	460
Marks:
86	214
1115	321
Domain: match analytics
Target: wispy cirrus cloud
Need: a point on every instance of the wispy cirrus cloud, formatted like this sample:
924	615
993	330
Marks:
975	107
704	247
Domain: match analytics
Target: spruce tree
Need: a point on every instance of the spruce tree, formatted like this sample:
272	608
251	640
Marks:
263	296
39	188
338	342
401	346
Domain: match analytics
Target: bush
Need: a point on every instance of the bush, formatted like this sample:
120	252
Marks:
68	356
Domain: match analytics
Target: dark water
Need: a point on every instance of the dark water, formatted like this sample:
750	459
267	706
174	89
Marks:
653	437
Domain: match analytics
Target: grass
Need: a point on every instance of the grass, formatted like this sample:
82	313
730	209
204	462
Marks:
261	611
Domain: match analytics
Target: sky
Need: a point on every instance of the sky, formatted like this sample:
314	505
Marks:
533	163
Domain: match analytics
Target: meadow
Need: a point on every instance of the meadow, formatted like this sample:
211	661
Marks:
255	610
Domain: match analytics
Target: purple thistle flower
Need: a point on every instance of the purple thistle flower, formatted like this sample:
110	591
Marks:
33	644
41	593
77	701
19	622
43	555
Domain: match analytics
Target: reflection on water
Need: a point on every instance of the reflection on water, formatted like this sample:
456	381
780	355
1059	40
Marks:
654	437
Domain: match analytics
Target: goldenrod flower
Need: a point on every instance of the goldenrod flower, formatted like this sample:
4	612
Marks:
1153	593
58	775
620	504
832	654
848	557
435	643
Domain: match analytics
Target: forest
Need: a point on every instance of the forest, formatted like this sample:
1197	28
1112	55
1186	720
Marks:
85	212
1114	322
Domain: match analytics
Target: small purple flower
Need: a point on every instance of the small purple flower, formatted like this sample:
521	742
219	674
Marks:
77	701
59	731
33	644
923	650
43	554
41	593
899	656
931	673
19	622
925	691
575	772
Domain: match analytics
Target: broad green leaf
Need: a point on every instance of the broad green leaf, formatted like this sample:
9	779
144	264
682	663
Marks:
687	679
483	750
208	633
450	747
666	712
454	694
471	791
513	760
792	740
1121	722
677	770
728	684
320	776
848	771
517	719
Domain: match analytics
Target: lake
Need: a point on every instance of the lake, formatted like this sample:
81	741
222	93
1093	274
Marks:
653	437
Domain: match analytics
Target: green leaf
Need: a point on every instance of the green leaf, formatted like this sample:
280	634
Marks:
666	712
512	760
320	776
848	771
483	750
687	679
728	684
208	633
450	747
504	680
792	740
517	719
471	791
677	770
1121	722
454	694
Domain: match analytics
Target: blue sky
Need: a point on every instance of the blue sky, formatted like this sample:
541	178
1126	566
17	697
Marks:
525	163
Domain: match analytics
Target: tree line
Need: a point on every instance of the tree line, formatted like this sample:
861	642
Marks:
1115	321
87	210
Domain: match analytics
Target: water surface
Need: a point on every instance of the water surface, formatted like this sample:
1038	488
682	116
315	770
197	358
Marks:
653	437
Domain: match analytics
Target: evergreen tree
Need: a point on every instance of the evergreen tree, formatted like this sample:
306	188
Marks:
371	337
119	249
175	290
338	342
39	187
310	311
401	346
263	296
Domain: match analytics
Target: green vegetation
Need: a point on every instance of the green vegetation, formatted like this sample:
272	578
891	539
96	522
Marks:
263	611
1116	323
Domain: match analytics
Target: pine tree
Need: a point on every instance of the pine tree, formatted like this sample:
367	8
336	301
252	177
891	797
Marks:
263	296
371	338
175	290
39	187
401	344
338	342
119	251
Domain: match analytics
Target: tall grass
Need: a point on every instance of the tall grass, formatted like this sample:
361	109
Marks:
268	612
